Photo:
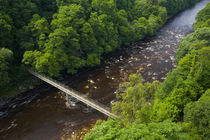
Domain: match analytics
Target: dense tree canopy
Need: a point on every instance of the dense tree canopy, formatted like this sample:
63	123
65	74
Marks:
18	34
191	77
88	29
135	103
112	130
203	18
6	57
197	114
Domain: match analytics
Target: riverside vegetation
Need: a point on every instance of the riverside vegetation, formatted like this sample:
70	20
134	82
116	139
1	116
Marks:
59	36
178	108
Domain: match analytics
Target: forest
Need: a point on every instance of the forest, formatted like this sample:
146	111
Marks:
62	36
177	108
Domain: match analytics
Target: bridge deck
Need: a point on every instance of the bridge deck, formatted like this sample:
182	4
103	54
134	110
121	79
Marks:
81	97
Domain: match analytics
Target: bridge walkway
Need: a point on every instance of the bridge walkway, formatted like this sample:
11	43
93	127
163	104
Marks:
81	97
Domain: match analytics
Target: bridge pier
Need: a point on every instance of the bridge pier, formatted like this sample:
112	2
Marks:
71	101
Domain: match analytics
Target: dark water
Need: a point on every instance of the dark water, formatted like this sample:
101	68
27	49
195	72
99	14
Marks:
43	115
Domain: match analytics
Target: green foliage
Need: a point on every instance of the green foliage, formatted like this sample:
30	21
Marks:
140	28
6	57
5	30
6	53
173	6
172	106
35	33
86	29
111	129
62	49
4	78
188	81
46	8
185	84
197	114
205	96
124	27
201	69
125	4
203	18
135	103
196	40
16	36
93	60
88	40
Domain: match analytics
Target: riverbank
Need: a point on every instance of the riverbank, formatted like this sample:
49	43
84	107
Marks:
24	86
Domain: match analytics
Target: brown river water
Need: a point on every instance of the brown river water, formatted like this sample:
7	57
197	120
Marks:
42	114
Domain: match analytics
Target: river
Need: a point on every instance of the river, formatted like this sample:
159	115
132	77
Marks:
42	114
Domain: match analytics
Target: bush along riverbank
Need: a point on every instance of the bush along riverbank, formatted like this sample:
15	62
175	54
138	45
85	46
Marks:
178	108
19	83
60	36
